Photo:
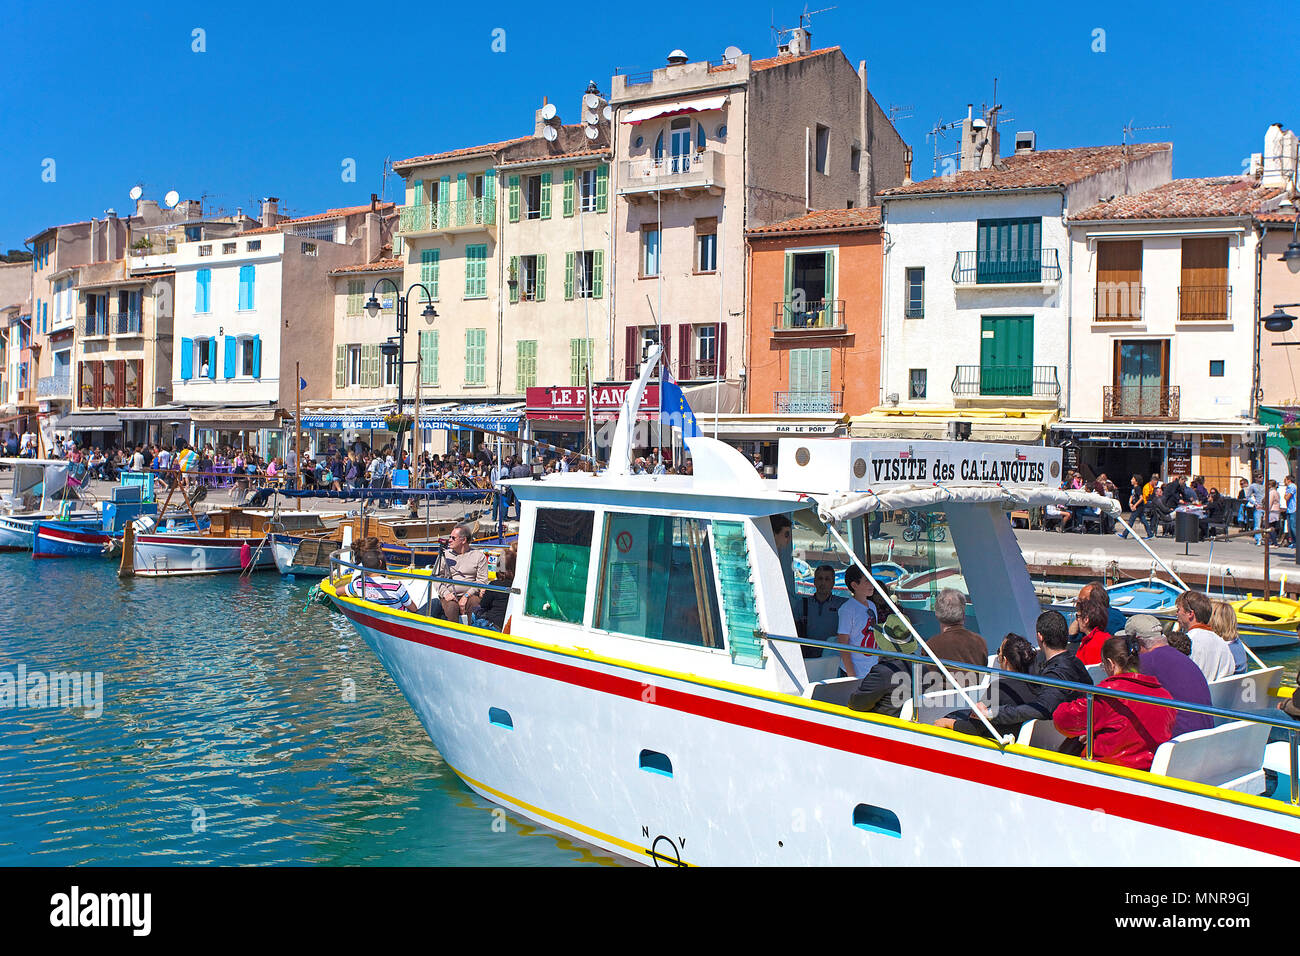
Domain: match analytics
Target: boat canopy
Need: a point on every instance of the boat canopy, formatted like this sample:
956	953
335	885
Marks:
843	507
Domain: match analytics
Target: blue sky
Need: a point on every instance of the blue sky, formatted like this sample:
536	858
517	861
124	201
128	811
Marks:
284	94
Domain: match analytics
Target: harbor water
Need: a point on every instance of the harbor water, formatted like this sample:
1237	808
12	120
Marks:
237	727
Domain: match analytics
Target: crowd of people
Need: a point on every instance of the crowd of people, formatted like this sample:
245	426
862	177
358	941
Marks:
1140	657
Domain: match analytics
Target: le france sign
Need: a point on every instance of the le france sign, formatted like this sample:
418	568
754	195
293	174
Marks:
570	402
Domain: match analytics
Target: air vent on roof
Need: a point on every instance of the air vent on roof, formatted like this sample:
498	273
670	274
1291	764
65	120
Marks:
676	58
1026	141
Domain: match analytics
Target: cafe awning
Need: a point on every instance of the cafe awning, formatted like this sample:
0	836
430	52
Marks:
672	108
237	419
89	422
499	418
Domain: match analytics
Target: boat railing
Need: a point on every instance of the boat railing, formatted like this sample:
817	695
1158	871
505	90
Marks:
341	568
1091	692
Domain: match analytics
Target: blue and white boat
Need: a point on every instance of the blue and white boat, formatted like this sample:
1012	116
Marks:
36	493
1148	594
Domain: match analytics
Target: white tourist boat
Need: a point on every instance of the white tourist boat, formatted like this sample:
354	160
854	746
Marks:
640	697
34	494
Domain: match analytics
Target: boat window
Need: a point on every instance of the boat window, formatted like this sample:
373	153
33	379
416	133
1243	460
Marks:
657	580
738	593
561	558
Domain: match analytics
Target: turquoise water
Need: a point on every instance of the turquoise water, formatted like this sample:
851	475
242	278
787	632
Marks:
226	735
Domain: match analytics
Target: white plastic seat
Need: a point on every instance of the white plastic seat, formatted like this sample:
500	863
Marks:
941	703
1247	691
1096	672
1230	756
837	690
1040	733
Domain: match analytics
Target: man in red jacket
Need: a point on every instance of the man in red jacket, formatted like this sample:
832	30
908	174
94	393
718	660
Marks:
1124	732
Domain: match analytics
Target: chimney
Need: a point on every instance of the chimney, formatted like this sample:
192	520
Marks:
1280	156
374	202
800	41
677	58
979	139
271	211
1026	141
907	165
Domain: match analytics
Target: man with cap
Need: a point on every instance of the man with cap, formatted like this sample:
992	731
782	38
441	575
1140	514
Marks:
1176	672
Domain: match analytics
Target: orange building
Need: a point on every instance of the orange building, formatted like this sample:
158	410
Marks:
814	306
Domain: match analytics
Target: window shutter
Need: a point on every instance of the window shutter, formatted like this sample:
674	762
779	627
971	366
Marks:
822	375
212	357
514	272
514	198
684	351
798	370
97	371
630	356
230	356
257	358
598	274
444	199
247	281
187	359
433	353
526	365
602	187
722	349
829	286
340	366
575	362
119	384
417	193
569	258
541	277
568	192
666	340
81	382
462	188
490	188
546	195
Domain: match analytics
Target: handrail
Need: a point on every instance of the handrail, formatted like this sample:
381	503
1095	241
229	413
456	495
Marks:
1091	691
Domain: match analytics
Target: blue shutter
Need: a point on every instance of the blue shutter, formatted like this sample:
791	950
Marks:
212	357
230	356
187	359
257	356
247	276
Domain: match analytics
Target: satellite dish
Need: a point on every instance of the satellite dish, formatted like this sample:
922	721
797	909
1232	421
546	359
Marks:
137	192
731	54
592	118
548	112
172	198
550	133
591	101
608	113
591	132
978	123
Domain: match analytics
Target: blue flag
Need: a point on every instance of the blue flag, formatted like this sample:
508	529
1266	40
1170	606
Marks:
302	383
674	410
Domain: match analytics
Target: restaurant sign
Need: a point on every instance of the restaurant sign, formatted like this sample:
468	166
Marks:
569	403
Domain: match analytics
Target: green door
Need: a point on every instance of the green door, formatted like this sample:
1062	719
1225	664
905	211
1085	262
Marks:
1008	250
1007	355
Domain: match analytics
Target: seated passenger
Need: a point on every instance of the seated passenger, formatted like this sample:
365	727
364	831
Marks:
954	642
1125	732
1223	621
1007	697
1092	608
889	682
491	611
377	588
459	562
1209	651
1175	671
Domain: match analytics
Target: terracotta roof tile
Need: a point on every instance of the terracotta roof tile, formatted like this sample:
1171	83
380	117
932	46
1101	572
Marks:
774	61
594	151
1277	216
379	265
320	217
1042	169
823	220
1186	199
465	151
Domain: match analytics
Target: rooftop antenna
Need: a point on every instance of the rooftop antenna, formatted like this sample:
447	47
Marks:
897	112
383	184
1129	130
805	20
938	131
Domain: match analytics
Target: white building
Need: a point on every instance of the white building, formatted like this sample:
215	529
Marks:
976	283
1163	344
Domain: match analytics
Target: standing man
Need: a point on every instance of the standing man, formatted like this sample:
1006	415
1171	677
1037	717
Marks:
856	624
499	499
819	612
1255	501
1288	497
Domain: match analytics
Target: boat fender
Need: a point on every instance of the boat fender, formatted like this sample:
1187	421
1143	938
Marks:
245	555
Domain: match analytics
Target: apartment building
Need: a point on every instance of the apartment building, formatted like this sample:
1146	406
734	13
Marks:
251	308
1163	347
976	305
15	288
706	150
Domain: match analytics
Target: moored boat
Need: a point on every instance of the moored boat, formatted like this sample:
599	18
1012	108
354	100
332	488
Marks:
234	541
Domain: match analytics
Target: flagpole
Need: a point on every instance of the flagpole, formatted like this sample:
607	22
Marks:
297	427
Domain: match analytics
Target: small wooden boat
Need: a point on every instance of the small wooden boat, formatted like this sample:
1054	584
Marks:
233	541
1280	613
1149	594
38	491
56	538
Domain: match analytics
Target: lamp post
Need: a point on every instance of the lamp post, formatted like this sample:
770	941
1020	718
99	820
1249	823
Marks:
387	348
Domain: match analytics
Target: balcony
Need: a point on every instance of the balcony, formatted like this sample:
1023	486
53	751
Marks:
822	315
1117	302
54	386
700	368
1006	267
125	323
1139	403
1007	381
1204	303
689	172
807	403
94	326
451	216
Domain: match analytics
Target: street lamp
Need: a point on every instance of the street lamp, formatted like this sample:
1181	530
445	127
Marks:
388	348
1279	321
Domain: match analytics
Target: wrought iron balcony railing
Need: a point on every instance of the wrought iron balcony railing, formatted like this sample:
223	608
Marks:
794	315
807	402
126	323
1006	267
453	214
1139	403
1204	303
95	325
1117	302
699	368
1011	381
54	386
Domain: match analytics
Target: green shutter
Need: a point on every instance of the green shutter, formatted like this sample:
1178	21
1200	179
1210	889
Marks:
602	187
514	272
490	187
579	357
799	370
569	258
444	202
541	277
476	271
429	270
417	192
819	375
829	291
462	187
429	357
514	199
568	192
340	366
475	356
546	196
598	274
787	314
356	296
525	364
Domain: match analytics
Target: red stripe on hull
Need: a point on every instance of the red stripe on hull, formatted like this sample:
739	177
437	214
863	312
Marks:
1141	809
